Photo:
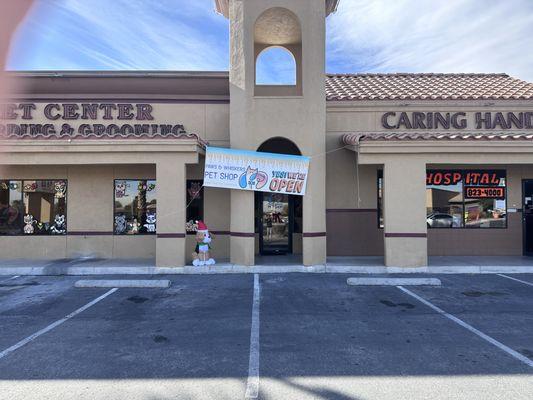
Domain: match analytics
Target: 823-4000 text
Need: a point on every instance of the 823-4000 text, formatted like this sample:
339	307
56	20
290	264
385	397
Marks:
476	192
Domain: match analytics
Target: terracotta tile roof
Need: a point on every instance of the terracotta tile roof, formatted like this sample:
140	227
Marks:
352	139
403	86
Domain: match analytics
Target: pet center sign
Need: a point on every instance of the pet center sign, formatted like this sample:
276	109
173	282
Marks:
251	170
58	120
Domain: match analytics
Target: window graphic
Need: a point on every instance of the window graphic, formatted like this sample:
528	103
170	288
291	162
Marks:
135	207
195	204
466	199
33	207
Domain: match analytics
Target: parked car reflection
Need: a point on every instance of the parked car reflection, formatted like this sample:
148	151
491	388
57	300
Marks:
442	220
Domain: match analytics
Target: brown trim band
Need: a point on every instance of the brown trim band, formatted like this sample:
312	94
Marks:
406	235
313	234
351	210
221	232
94	233
171	235
242	234
211	232
119	99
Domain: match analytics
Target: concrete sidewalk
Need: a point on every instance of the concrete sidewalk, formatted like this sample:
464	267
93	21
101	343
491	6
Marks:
360	265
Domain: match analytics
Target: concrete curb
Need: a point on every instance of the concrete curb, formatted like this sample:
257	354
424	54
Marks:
258	269
393	281
121	283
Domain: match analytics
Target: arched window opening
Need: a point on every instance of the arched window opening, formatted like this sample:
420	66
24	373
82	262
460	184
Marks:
278	52
275	66
279	145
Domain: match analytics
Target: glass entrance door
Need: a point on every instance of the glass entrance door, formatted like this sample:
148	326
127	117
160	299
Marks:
527	215
275	223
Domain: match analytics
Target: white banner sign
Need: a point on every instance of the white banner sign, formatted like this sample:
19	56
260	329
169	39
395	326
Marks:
252	170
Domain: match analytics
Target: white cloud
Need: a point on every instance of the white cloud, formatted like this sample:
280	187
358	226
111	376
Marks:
123	34
432	36
363	36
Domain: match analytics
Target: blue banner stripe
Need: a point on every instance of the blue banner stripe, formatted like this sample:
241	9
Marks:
256	154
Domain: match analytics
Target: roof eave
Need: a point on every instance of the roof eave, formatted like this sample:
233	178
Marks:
222	7
331	6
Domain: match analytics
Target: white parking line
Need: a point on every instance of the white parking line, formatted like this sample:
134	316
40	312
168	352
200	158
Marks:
8	279
500	345
514	279
30	338
252	386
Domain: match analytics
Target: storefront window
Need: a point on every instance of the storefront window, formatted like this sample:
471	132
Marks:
485	200
11	208
461	199
33	207
135	207
469	199
195	204
444	199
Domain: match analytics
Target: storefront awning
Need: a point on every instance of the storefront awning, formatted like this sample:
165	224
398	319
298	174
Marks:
353	139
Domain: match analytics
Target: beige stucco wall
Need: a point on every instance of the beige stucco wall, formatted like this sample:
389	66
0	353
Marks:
352	220
90	187
216	217
350	189
365	116
351	208
505	241
208	120
89	210
300	118
353	229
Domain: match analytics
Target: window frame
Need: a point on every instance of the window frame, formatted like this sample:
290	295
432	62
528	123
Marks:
114	200
202	194
463	224
22	180
462	171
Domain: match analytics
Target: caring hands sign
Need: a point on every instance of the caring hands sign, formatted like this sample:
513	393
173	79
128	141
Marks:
251	170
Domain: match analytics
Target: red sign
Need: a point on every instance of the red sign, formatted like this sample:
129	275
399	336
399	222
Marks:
450	178
445	178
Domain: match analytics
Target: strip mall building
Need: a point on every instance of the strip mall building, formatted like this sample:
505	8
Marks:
404	166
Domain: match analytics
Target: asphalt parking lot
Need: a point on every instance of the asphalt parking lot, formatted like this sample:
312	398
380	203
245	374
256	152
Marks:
268	336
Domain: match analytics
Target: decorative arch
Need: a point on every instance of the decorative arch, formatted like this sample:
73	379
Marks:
280	145
277	26
277	31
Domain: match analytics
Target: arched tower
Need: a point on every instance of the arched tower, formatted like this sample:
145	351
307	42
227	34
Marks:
297	112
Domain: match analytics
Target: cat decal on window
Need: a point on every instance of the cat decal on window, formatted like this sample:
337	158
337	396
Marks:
253	178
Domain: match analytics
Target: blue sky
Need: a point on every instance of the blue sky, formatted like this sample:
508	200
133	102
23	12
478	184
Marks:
363	36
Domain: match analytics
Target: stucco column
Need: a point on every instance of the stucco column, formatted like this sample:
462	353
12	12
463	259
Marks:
242	241
171	198
404	208
88	221
314	214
